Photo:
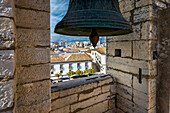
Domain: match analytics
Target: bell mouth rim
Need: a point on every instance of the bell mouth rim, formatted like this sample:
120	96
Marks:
86	31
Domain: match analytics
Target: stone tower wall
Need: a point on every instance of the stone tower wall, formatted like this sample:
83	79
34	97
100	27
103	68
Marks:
24	56
163	84
136	67
7	62
137	61
32	48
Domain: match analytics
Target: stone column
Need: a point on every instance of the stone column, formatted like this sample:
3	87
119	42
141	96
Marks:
7	36
32	52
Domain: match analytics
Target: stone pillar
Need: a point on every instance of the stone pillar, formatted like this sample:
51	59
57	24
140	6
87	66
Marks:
32	54
132	59
163	83
7	36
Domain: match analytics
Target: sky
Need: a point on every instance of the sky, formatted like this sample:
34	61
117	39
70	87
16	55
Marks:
58	10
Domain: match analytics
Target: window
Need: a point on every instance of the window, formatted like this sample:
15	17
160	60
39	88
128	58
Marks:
61	67
70	67
78	66
52	67
118	52
86	65
155	55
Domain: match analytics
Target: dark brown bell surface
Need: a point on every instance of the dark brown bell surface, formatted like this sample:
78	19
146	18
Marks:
94	37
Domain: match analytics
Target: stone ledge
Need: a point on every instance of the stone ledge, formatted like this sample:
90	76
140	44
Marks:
79	82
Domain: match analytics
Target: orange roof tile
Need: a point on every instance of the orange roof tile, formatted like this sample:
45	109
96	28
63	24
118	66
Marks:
52	52
79	57
57	58
100	50
70	57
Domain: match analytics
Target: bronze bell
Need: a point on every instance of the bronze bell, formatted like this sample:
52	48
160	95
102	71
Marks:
93	18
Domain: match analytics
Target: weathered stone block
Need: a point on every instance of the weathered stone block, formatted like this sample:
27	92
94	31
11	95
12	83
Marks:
140	3
89	93
149	30
25	56
41	107
142	14
43	5
32	37
125	105
119	111
141	50
132	36
123	78
139	109
105	88
6	94
128	65
124	109
55	95
6	8
61	102
127	16
112	111
126	5
103	82
143	100
6	63
98	108
126	48
32	19
78	89
147	86
6	33
89	102
124	91
111	103
65	109
153	67
33	93
113	89
33	73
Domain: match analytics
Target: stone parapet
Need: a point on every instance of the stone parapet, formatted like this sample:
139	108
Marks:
89	95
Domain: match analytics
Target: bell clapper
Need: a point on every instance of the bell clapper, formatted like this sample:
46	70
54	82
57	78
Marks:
94	37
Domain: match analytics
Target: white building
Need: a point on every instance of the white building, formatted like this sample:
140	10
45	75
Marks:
70	62
99	57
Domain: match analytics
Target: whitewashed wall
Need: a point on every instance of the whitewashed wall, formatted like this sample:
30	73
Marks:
66	67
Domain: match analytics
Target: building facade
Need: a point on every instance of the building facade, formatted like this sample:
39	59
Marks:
99	58
73	62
